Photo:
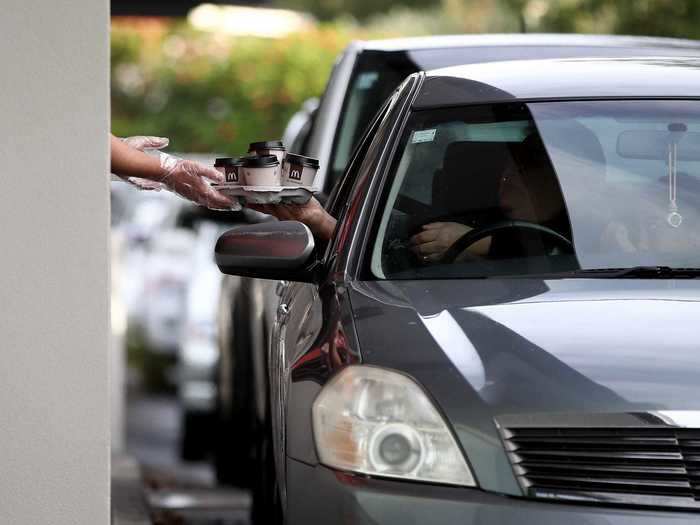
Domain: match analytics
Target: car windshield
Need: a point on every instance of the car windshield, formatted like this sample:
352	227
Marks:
543	188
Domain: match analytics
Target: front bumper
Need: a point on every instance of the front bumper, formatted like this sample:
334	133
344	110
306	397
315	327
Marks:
318	495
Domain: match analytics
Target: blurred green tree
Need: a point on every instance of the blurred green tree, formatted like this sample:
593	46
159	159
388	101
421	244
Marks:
210	92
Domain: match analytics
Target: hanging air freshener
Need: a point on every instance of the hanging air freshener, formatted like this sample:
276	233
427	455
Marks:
676	129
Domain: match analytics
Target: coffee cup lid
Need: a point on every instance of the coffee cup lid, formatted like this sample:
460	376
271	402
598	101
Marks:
223	161
269	144
262	161
293	158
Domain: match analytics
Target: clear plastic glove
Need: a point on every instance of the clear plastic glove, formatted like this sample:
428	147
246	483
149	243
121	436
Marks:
145	144
189	179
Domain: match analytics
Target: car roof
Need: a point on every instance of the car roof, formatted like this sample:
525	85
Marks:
523	39
582	78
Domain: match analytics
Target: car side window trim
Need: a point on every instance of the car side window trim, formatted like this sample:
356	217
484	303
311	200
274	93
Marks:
342	189
360	242
338	200
350	185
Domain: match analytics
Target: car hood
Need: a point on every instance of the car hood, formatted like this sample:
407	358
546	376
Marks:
490	348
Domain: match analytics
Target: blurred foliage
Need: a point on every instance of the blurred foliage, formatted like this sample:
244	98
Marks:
672	18
210	93
214	93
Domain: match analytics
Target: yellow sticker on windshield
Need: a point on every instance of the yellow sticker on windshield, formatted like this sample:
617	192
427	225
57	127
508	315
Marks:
425	135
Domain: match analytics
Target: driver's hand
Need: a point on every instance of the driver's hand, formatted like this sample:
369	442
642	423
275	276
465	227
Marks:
319	221
435	239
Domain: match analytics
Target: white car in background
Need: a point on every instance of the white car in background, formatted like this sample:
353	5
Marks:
140	216
198	351
143	217
167	274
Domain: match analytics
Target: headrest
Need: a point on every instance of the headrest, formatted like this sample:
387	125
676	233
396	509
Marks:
470	176
474	159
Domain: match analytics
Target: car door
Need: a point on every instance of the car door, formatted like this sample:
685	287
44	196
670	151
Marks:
300	314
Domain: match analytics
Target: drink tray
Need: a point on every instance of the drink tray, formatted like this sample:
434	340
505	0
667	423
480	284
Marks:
267	194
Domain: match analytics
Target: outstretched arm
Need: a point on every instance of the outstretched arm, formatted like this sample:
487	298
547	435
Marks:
128	161
319	221
184	177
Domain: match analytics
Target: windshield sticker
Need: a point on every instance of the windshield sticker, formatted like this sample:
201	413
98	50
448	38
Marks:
426	135
367	80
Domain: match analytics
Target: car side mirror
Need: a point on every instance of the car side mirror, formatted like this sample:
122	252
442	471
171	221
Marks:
279	250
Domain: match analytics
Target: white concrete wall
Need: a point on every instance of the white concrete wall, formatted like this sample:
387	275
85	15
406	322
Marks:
54	264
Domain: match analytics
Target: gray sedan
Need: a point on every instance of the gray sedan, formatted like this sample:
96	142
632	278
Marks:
502	328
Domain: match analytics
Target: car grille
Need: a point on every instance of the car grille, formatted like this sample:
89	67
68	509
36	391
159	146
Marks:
639	466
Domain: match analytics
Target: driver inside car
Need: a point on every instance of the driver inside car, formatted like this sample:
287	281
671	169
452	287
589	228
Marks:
528	191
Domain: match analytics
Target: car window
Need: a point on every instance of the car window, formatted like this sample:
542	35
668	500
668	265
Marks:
344	203
341	190
541	188
374	78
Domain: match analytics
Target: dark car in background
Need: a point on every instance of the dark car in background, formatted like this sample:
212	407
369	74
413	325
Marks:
367	72
362	79
543	367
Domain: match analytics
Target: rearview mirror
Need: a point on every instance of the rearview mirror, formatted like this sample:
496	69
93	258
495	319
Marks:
653	145
269	250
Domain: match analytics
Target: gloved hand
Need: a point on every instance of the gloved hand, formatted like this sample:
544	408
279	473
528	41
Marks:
187	178
144	143
184	177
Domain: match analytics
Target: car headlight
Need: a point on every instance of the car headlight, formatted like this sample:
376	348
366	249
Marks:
379	422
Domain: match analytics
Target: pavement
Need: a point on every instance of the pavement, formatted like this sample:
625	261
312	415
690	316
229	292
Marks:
129	505
152	437
152	478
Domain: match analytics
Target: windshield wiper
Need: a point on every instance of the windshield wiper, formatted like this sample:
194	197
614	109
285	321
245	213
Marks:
640	272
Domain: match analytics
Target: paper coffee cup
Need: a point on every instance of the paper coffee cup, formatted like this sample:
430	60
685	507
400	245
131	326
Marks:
269	147
220	164
261	171
233	172
230	168
298	170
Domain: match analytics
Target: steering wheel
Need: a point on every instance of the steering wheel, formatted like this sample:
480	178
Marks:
469	238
